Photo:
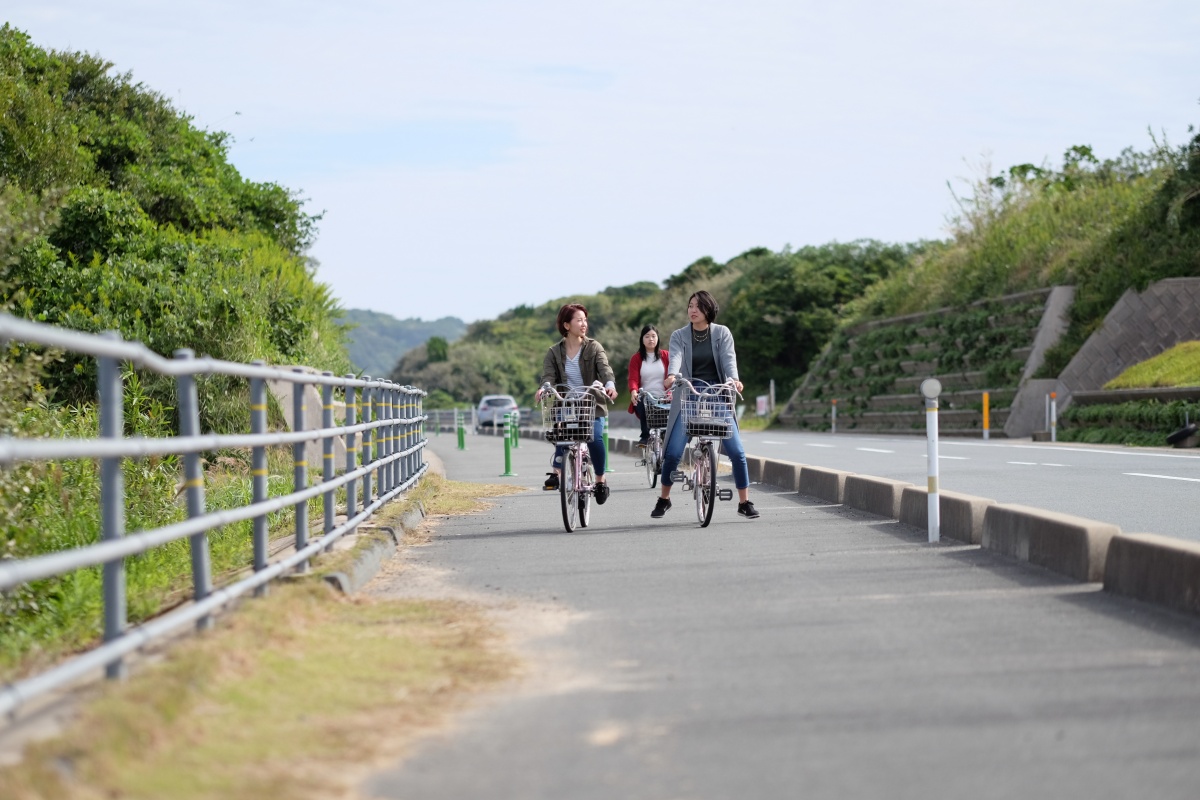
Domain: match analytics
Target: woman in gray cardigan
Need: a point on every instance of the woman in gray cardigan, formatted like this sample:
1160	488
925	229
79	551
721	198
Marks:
702	351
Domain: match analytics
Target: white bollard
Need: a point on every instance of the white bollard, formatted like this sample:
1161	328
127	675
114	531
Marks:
1054	416
930	389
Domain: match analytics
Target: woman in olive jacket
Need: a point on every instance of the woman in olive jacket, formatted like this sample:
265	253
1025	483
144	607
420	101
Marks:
578	362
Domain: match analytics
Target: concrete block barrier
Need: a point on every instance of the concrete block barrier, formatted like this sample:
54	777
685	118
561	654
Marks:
1155	569
755	465
960	515
1069	545
784	474
826	484
879	496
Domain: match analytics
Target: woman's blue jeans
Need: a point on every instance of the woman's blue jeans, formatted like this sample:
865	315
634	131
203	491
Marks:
595	447
732	447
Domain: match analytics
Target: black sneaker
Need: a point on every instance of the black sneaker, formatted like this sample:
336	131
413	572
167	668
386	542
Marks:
748	510
660	508
551	484
601	492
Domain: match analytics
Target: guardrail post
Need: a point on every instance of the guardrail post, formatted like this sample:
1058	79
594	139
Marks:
193	481
112	502
330	507
419	459
366	443
299	467
258	472
351	449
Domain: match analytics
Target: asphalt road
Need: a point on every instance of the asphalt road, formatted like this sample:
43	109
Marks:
1141	489
816	652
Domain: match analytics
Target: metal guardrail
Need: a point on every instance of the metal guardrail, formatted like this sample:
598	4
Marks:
392	436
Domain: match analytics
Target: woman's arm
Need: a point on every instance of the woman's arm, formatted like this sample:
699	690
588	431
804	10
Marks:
729	357
549	369
635	373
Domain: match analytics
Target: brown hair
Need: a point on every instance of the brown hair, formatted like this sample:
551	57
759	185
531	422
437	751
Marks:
565	314
707	305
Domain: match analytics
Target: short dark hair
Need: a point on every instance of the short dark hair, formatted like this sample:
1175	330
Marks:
565	314
707	305
642	344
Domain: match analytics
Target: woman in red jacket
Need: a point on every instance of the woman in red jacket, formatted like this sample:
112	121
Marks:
647	370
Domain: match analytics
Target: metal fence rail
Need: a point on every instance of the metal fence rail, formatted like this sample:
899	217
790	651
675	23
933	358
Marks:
390	438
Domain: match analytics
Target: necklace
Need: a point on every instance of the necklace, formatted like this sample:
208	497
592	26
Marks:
698	337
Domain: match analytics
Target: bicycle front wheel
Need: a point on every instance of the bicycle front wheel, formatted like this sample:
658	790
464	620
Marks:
650	456
705	490
585	494
568	490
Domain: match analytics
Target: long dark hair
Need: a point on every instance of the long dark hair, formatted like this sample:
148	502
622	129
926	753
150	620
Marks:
642	344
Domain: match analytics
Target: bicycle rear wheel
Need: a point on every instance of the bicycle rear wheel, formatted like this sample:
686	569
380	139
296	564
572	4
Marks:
585	495
705	490
567	490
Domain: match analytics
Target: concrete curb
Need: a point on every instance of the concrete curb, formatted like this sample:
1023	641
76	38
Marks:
879	496
1072	546
826	484
961	515
369	559
784	474
1154	568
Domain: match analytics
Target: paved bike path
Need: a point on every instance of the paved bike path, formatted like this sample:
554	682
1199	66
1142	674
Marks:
816	652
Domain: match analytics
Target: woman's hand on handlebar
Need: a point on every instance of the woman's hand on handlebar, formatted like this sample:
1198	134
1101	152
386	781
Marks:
668	382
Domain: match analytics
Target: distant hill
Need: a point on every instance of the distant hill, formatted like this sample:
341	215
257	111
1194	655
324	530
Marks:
379	340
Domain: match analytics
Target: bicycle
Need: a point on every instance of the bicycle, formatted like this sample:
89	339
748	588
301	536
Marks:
658	410
569	418
707	414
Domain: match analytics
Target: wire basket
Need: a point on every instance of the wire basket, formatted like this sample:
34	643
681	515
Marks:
708	411
569	419
657	413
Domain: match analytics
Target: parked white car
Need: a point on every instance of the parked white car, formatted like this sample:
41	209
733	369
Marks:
492	409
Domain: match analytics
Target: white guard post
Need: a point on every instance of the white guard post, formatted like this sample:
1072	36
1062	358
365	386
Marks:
1054	416
930	389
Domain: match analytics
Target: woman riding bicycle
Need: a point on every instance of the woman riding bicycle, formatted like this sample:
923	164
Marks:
702	351
578	362
647	370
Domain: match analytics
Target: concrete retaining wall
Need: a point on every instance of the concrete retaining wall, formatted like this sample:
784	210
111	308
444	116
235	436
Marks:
960	515
826	484
880	496
1073	546
1156	569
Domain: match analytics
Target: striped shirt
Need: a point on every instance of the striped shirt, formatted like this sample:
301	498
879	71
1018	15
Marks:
574	376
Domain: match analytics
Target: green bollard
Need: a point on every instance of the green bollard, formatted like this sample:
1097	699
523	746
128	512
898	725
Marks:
516	429
607	460
458	424
508	473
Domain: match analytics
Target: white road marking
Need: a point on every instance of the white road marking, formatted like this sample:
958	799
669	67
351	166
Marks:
1023	463
1164	477
873	450
1046	464
771	441
814	444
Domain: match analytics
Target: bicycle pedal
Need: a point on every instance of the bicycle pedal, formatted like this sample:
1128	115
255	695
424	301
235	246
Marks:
725	494
677	477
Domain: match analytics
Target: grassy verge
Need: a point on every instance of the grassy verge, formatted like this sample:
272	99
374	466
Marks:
293	696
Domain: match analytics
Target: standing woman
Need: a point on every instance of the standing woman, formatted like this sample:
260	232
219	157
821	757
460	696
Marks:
647	370
702	351
578	362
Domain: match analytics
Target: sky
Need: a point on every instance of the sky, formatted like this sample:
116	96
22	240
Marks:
470	156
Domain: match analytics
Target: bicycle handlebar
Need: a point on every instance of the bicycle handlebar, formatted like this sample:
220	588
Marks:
692	387
596	389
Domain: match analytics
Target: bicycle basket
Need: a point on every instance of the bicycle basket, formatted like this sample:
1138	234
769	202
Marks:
709	412
657	414
569	419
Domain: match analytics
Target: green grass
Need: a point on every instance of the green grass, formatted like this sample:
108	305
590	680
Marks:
1179	366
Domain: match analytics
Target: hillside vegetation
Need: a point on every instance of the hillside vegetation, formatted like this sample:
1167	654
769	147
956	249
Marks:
376	340
148	229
